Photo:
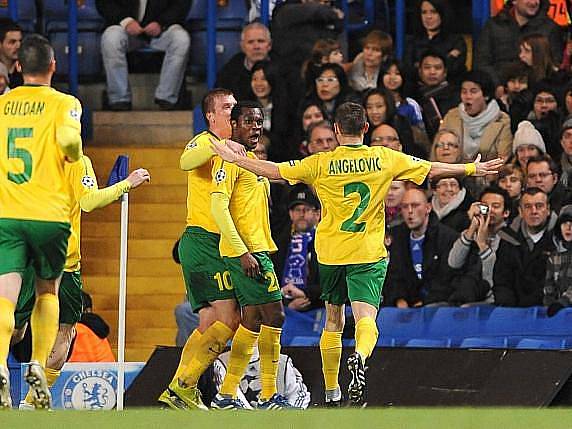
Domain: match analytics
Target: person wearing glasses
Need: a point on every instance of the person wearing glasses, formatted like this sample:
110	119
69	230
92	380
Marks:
446	147
542	172
386	135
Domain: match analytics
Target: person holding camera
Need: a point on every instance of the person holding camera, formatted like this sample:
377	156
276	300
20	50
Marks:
487	217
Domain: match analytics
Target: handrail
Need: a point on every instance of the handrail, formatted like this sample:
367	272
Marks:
73	68
13	10
211	43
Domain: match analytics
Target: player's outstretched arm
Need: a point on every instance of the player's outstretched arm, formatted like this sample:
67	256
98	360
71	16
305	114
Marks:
257	166
195	155
98	198
476	168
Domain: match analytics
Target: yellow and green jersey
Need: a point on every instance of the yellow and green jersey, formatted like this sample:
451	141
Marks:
32	179
351	183
80	180
249	196
199	185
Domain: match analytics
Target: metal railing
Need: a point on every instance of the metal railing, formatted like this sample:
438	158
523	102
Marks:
480	8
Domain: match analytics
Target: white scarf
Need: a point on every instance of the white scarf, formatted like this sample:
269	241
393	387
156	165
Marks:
442	211
474	126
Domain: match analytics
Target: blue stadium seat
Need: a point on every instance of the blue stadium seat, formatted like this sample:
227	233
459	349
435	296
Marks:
429	342
229	23
559	325
27	14
484	343
507	321
90	25
401	324
302	324
384	341
541	344
454	322
302	341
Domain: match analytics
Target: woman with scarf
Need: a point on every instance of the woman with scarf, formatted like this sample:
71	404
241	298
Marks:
451	202
481	125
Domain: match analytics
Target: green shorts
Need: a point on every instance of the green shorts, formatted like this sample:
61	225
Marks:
42	244
206	277
356	282
69	296
262	290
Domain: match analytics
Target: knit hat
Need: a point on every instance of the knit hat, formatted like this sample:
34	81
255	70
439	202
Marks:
526	134
565	215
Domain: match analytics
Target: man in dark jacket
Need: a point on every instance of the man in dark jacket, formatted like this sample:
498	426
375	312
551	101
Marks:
542	172
418	272
133	24
295	262
520	268
498	44
255	45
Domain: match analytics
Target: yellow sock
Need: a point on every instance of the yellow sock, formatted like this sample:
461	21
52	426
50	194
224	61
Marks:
366	336
7	308
44	323
269	348
52	376
189	351
331	351
240	353
212	343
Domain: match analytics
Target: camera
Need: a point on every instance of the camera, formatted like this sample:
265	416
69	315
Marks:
483	210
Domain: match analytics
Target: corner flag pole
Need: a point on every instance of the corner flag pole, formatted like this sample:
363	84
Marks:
118	173
122	301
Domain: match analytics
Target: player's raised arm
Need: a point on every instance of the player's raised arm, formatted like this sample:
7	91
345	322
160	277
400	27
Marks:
257	166
476	168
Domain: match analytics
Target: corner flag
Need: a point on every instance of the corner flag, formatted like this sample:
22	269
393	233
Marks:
120	170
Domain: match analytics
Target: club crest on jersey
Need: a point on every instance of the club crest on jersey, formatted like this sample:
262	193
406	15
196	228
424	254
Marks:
220	175
190	145
88	182
75	115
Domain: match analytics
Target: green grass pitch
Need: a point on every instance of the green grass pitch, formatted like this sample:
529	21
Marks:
394	418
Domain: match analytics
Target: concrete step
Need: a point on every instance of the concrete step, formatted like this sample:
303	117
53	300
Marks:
171	283
142	127
139	156
137	248
157	301
141	213
142	319
141	230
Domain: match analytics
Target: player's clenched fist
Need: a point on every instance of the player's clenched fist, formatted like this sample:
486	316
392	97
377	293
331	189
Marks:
138	176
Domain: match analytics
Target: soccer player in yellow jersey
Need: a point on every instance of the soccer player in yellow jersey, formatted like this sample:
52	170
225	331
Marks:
240	209
84	195
352	182
207	280
39	132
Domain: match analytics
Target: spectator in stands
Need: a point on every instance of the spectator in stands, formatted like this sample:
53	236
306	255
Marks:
535	52
511	179
380	108
392	202
4	79
527	143
255	45
256	9
321	137
418	272
268	90
542	173
547	117
310	112
432	32
377	48
331	89
91	343
566	158
450	203
289	382
482	127
10	40
482	236
298	24
434	93
567	105
446	147
558	284
392	78
324	51
520	269
516	95
295	261
159	24
385	135
499	40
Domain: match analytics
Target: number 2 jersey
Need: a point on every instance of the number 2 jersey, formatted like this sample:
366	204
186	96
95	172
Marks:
32	178
351	183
